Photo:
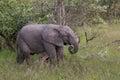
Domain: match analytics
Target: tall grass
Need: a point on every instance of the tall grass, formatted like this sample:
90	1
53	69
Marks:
85	65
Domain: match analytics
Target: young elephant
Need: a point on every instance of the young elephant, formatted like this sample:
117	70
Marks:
49	38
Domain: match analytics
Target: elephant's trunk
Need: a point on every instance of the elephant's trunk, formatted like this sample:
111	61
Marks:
73	48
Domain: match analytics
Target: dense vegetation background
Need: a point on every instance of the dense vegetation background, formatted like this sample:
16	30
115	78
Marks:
97	22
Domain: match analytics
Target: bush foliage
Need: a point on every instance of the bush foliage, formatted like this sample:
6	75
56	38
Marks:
14	14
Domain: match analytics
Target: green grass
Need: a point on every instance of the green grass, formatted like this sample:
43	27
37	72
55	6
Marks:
85	65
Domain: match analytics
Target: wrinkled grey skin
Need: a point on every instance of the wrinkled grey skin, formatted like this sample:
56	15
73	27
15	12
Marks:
49	38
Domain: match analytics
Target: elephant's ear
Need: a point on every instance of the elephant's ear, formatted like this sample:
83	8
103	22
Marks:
52	36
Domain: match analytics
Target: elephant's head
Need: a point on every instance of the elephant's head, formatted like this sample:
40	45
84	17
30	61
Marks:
70	38
61	36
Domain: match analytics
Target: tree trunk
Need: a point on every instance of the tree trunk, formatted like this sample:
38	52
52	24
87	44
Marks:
8	42
59	13
109	12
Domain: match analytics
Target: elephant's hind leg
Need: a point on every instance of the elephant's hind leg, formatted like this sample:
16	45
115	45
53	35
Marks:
27	56
28	59
26	52
20	58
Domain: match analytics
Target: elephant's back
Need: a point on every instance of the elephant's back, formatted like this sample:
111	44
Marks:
36	27
32	27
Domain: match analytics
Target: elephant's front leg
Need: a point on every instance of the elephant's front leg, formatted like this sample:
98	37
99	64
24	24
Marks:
60	55
51	51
